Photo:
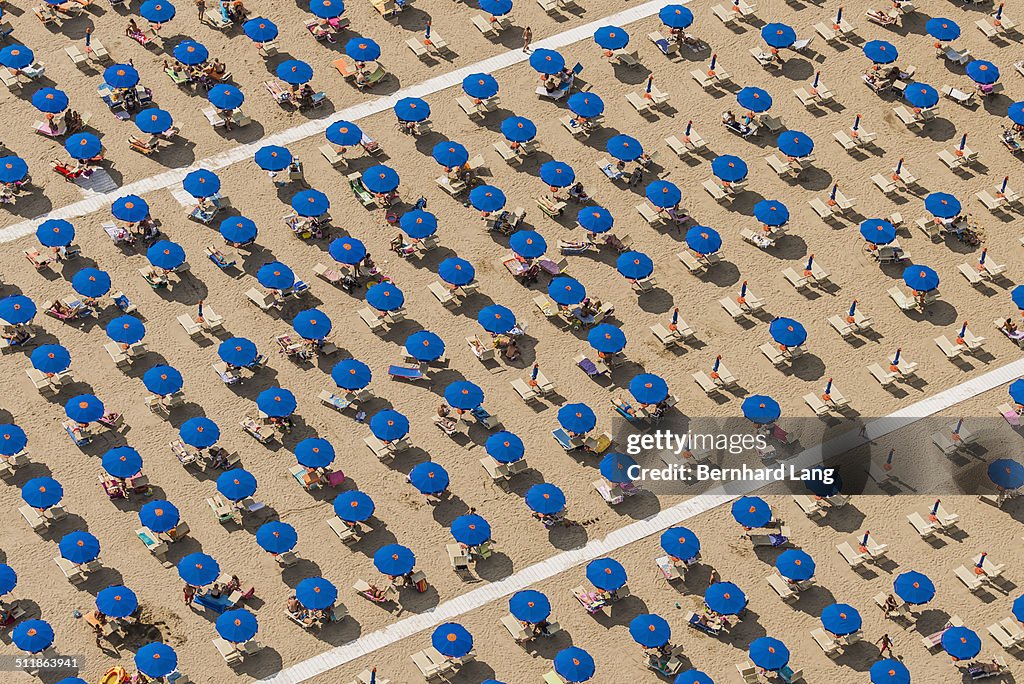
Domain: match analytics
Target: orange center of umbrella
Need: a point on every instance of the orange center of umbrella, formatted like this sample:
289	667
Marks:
451	636
50	355
158	512
771	649
31	632
547	496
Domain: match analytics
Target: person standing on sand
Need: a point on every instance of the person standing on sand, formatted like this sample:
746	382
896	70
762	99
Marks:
885	644
527	37
201	8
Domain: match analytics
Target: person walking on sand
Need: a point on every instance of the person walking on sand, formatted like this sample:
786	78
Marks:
201	8
885	644
527	37
190	593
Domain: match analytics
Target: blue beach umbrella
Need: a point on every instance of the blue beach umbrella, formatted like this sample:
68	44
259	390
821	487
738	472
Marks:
276	537
771	213
238	230
394	560
921	95
577	418
130	208
191	53
1018	609
787	332
650	630
202	183
117	601
505	447
754	99
389	425
424	346
91	282
12	440
547	61
889	671
557	174
983	72
85	408
611	37
693	677
606	338
795	144
769	654
529	606
914	588
275	275
8	579
312	324
452	639
463	395
566	291
276	402
486	198
663	194
83	146
344	133
55	233
260	30
166	255
545	498
79	547
385	297
347	250
272	158
362	49
316	593
881	51
942	29
314	452
496	8
796	565
199	432
942	205
327	9
480	86
237	626
1006	473
32	636
162	380
353	506
586	105
456	271
841	619
920	278
412	109
615	467
878	231
236	484
121	76
574	665
648	388
17	309
471	530
157	11
49	358
529	244
680	542
1015	112
450	154
159	515
624	147
50	100
12	169
198	569
310	203
961	643
607	574
703	240
595	219
294	72
122	462
496	319
429	478
156	660
224	96
380	179
778	35
751	511
725	598
761	409
351	374
675	16
729	168
518	129
634	265
16	56
818	484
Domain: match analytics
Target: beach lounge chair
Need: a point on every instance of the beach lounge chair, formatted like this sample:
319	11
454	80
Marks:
781	587
854	559
924	528
812	508
747	672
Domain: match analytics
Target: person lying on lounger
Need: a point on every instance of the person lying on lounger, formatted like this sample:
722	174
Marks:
578	194
444	418
880	17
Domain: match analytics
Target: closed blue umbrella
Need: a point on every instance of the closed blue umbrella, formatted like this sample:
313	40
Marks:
236	484
16	56
117	601
547	61
456	271
162	380
606	338
497	8
130	208
275	275
703	240
841	619
725	598
574	665
159	515
795	144
557	174
675	16
12	440
796	565
83	146
693	677
362	49
771	213
634	265
878	231
480	86
921	95
156	660
505	447
881	51
787	332
595	219
650	630
663	194
611	37
754	99
17	309
450	154
294	72
452	639
769	654
347	250
353	506
983	72
394	560
389	425
424	346
518	129
91	282
577	418
914	588
607	574
121	76
528	244
198	569
344	133
327	9
624	147
942	29
648	388
237	626
32	636
85	408
157	11
545	498
273	158
729	168
122	462
380	179
751	511
429	478
680	542
79	547
55	233
961	643
276	537
778	35
238	230
199	432
471	530
50	358
920	278
615	467
412	109
351	374
761	409
529	606
566	291
276	402
260	30
385	297
50	100
496	319
942	205
316	593
224	96
312	324
191	53
463	395
586	105
1016	113
889	671
1006	473
202	183
314	452
310	203
166	255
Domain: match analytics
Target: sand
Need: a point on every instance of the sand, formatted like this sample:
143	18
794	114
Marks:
402	514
